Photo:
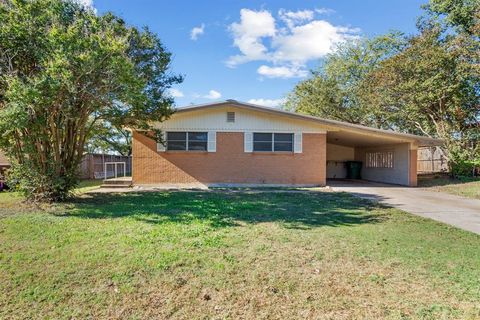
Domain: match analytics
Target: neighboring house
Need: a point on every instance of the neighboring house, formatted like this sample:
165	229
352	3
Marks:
234	143
4	163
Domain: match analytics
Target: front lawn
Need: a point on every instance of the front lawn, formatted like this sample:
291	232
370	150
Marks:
233	255
466	187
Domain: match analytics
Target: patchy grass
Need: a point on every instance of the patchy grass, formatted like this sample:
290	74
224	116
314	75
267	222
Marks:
466	187
9	199
202	255
88	185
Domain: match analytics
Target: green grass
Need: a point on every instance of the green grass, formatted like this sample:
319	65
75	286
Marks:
466	187
229	255
88	185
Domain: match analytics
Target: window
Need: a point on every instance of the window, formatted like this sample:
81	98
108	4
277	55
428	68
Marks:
379	159
273	142
197	141
283	142
176	141
187	141
230	116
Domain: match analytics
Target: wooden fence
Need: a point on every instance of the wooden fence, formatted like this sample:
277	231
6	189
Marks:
93	165
431	160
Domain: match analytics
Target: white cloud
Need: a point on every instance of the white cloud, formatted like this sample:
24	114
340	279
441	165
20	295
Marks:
175	93
213	94
289	43
248	34
197	31
324	11
273	103
310	41
282	72
292	18
87	4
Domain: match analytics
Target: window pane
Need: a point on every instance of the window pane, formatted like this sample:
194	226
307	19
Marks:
197	146
286	137
262	146
283	146
176	135
197	136
264	137
176	145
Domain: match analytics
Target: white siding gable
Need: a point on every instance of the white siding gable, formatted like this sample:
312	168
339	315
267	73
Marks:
215	119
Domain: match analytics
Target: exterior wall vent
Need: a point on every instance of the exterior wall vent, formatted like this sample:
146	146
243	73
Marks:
230	116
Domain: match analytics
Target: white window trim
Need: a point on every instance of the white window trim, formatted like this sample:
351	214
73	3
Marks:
211	141
160	146
248	141
298	142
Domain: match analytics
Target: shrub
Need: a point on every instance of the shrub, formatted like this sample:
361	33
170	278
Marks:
465	168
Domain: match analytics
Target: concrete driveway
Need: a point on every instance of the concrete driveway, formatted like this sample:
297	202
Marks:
457	211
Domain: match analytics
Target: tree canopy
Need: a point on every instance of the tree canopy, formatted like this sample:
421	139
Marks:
427	83
333	90
106	138
63	68
431	88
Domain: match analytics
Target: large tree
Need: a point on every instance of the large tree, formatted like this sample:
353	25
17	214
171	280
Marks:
428	83
432	88
333	90
464	15
63	68
107	138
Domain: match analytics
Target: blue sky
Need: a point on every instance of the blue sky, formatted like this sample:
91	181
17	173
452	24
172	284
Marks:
256	50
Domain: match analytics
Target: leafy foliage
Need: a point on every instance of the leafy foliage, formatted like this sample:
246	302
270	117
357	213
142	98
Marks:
426	84
333	91
462	14
107	138
62	69
431	88
465	168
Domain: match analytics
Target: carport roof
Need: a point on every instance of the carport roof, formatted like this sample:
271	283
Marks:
338	132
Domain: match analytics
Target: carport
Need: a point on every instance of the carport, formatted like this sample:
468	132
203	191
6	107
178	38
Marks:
386	156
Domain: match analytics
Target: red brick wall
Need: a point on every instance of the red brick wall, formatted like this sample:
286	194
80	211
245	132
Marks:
413	167
230	164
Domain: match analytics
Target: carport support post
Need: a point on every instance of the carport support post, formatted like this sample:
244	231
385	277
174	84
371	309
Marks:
412	159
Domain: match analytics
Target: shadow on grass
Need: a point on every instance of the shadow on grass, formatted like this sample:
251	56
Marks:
223	209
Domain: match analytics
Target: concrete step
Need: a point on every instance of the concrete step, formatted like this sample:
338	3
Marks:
115	186
118	182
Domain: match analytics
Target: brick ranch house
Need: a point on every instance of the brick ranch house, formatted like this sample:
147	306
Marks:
236	143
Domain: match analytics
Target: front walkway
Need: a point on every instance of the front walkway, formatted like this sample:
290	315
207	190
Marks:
454	210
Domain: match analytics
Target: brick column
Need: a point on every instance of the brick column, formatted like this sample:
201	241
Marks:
413	150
